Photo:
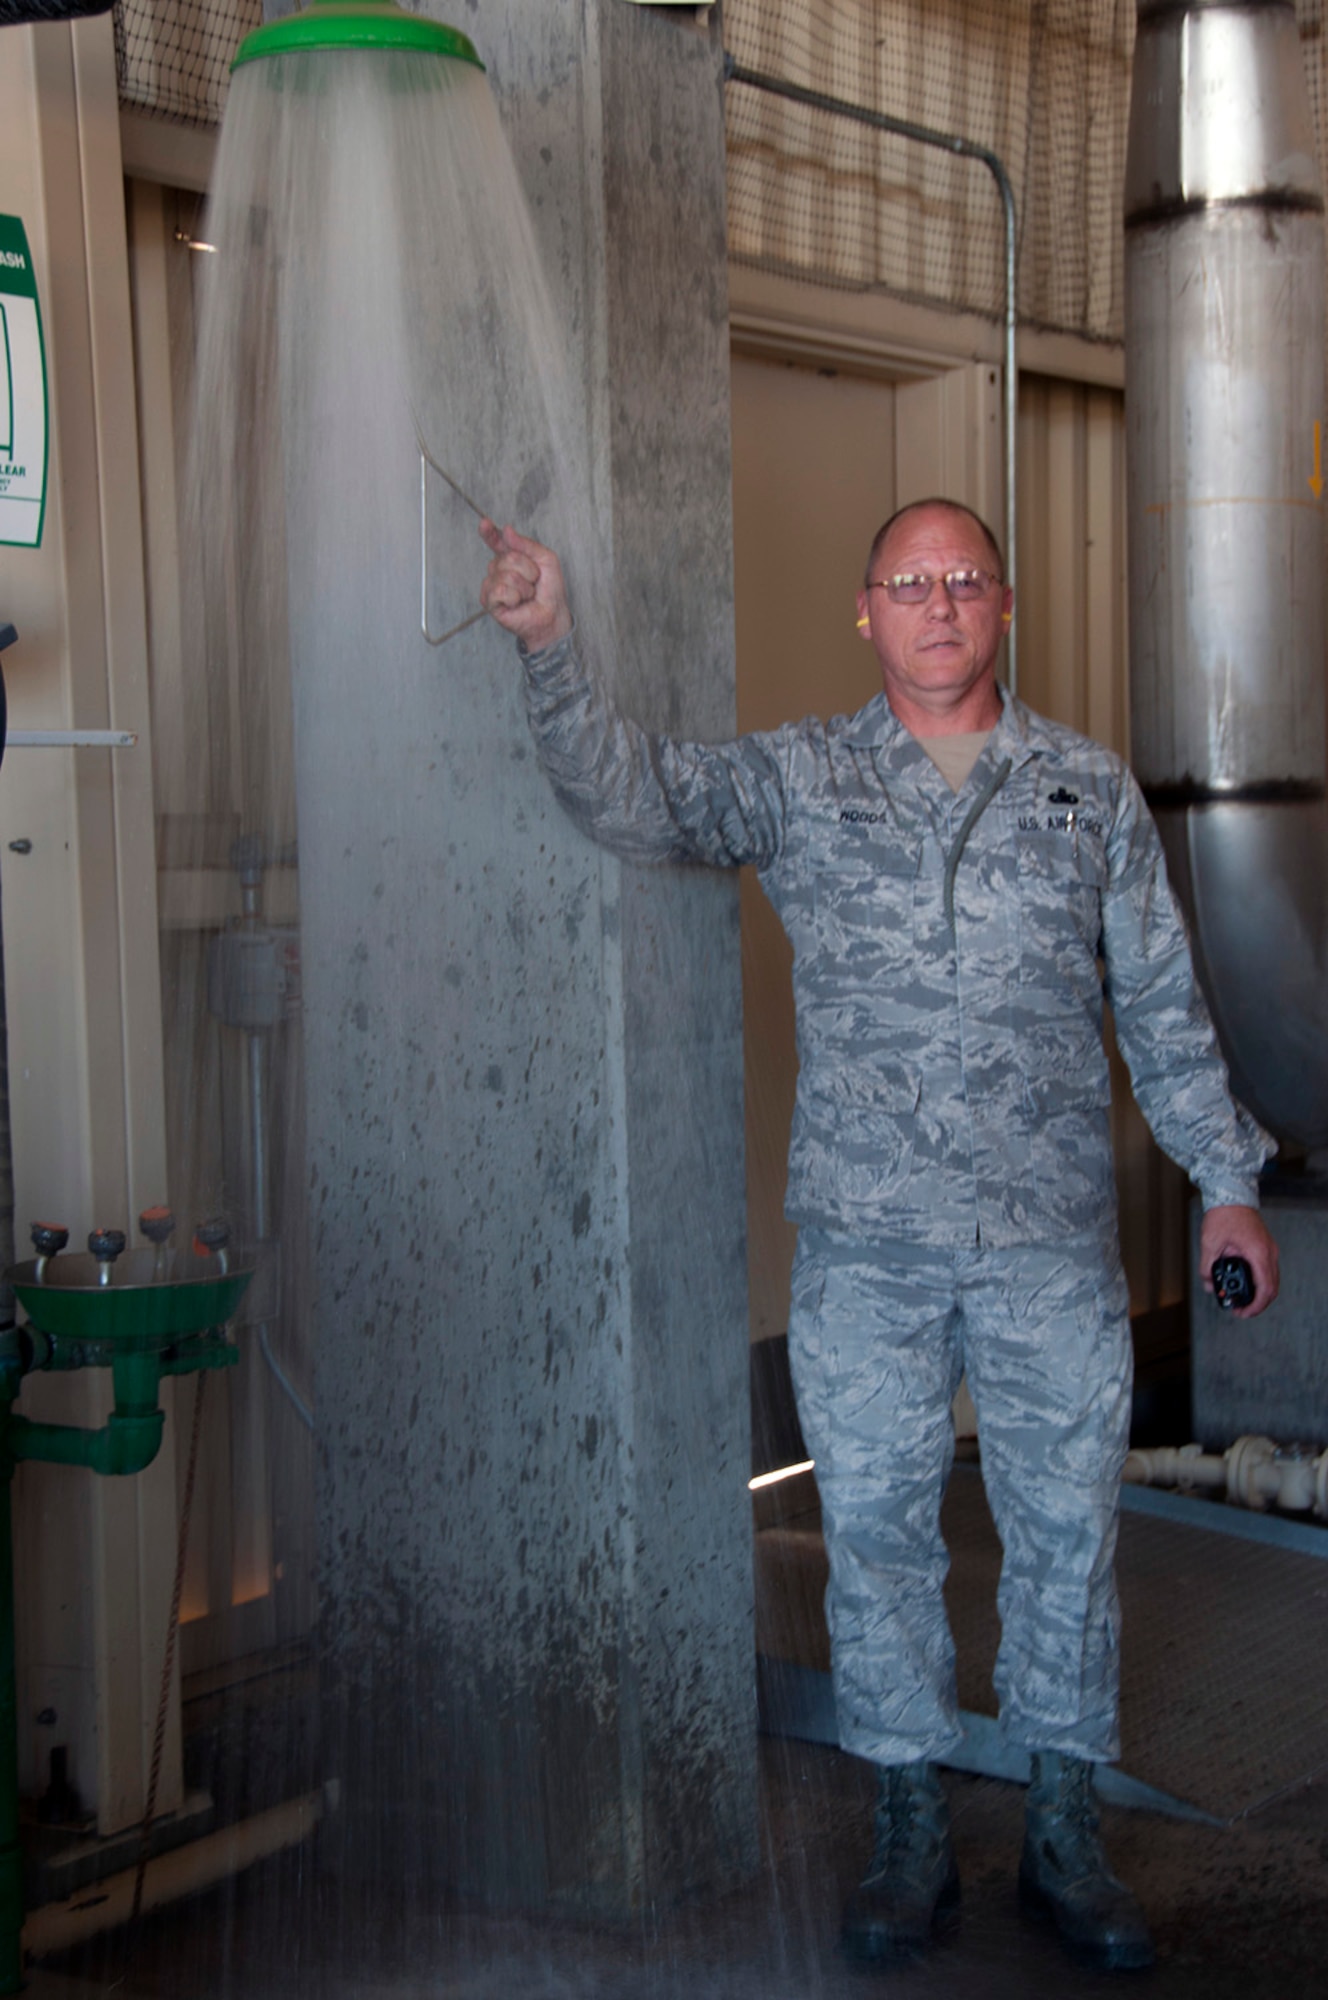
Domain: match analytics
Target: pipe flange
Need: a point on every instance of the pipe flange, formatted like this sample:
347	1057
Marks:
1246	1463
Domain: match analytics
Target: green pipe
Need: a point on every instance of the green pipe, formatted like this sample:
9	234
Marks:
122	1445
51	1354
127	1442
130	1438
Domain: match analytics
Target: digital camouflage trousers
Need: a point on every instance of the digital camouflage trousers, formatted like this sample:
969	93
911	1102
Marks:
879	1336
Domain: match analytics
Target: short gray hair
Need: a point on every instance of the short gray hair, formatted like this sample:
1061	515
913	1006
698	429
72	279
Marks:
917	506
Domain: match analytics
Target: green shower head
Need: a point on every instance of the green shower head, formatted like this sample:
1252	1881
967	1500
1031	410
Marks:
355	24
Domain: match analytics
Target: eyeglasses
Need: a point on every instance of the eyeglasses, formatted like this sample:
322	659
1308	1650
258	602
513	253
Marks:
962	586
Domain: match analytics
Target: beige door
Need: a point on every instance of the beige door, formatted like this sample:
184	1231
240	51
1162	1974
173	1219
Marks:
813	476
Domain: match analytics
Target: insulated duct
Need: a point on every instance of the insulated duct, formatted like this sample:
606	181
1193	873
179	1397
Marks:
1224	318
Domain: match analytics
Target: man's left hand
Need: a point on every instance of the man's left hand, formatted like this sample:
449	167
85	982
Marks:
1237	1231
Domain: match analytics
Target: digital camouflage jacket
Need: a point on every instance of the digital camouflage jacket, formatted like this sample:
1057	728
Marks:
951	956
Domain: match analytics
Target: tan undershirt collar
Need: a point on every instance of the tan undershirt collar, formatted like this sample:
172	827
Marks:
955	756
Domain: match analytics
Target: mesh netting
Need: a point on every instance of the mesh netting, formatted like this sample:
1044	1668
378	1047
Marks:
172	57
1044	84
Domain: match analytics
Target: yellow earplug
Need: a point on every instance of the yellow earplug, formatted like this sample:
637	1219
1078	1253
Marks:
863	623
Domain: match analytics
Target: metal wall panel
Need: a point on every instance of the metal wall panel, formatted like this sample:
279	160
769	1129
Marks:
94	1557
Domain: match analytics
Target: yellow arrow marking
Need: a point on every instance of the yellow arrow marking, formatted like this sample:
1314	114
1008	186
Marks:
1316	481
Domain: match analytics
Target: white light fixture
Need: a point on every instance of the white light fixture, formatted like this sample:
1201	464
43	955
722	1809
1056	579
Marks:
784	1472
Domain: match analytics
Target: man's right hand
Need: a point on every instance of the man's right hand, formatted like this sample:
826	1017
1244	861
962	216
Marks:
524	589
1238	1231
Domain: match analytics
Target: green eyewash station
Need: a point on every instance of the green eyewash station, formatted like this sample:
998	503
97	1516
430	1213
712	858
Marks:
144	1314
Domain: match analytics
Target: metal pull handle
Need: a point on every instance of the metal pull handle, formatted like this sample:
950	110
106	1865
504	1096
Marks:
427	461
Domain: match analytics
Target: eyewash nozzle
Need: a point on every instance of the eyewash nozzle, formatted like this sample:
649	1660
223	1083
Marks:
355	24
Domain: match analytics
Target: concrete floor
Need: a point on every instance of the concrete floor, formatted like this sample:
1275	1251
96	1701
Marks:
1241	1911
1237	1910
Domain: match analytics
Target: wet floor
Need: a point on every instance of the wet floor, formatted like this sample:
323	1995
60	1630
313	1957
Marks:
1237	1911
1238	1908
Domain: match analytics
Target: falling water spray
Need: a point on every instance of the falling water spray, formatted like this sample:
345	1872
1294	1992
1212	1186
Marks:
506	1171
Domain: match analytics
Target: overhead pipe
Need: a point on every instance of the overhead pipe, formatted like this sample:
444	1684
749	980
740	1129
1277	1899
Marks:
946	142
1224	379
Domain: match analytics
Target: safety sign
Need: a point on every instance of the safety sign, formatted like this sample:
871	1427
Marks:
23	409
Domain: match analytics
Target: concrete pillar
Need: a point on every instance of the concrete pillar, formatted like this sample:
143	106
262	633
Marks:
525	1113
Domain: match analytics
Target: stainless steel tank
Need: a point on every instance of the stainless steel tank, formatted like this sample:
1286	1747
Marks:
1224	300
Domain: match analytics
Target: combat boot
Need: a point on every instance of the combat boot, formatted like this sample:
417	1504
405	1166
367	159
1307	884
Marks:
911	1888
1063	1874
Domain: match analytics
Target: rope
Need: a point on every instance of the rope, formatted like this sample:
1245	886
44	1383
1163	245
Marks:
168	1664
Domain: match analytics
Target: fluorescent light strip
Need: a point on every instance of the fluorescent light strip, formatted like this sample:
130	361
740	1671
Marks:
784	1472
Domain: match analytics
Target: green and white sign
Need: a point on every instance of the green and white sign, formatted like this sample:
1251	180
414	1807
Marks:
23	425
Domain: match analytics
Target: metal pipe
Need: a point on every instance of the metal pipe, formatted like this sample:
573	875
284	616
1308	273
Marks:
256	1054
1224	291
946	142
1253	1472
182	1871
251	870
258	1149
71	739
1224	379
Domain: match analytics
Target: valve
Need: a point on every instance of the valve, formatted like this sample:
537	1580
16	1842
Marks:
211	1237
105	1245
1251	1476
1296	1468
48	1240
158	1225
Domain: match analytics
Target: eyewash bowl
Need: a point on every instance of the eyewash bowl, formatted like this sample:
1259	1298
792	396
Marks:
135	1310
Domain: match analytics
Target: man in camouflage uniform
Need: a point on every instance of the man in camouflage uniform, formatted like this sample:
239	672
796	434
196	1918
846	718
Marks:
962	882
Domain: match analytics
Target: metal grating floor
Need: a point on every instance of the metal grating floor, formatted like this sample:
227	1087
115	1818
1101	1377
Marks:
1222	1652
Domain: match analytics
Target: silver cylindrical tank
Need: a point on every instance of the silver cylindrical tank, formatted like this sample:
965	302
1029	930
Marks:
1224	290
1224	305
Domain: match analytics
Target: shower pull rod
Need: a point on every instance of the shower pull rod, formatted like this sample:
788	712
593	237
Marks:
427	463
